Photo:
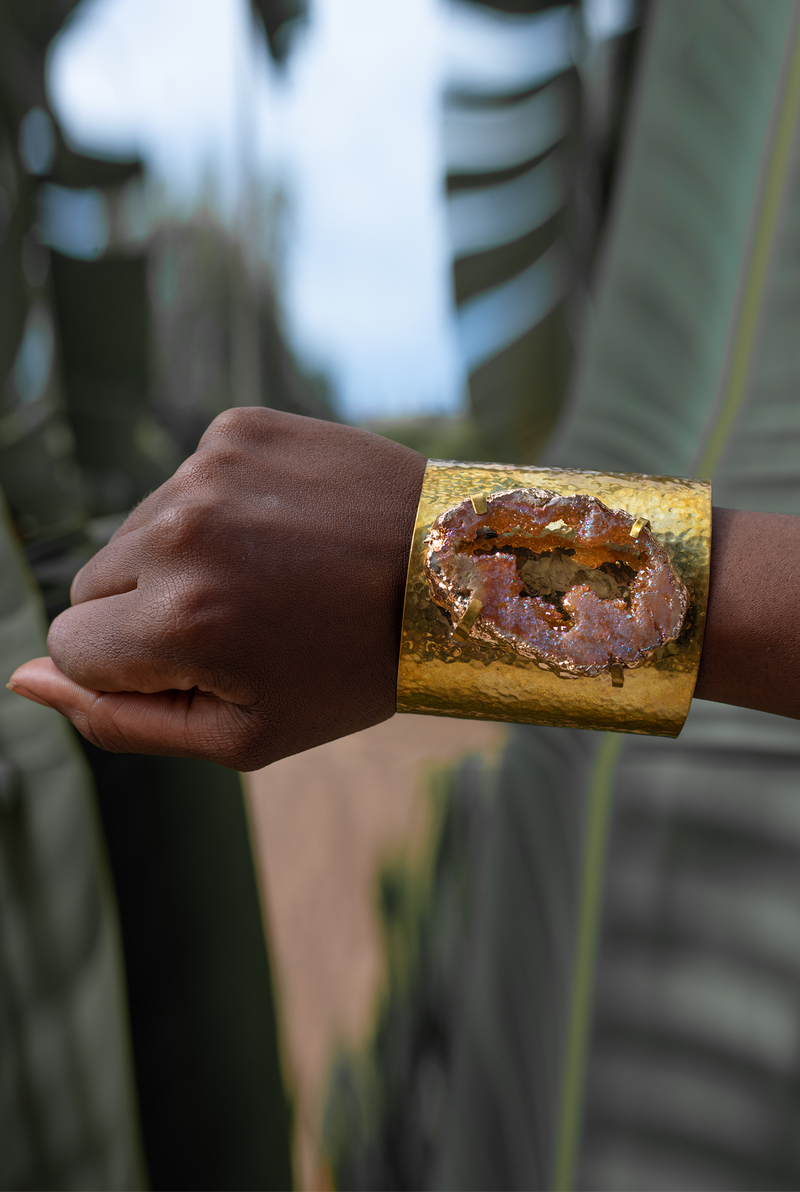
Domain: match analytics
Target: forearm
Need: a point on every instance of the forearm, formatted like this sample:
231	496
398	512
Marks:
751	651
252	606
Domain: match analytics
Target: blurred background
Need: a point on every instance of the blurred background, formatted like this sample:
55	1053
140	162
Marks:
436	953
387	214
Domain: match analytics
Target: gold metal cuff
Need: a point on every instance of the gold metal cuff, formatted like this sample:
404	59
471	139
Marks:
446	670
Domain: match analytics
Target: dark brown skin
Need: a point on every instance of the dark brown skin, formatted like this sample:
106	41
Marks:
751	650
251	607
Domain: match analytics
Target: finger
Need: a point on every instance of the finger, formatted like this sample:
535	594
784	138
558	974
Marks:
120	643
112	571
174	723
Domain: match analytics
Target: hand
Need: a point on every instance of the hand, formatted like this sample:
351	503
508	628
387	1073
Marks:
248	609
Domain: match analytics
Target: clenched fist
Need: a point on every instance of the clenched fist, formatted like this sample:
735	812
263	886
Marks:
251	607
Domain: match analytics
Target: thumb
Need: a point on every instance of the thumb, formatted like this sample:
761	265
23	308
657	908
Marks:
177	723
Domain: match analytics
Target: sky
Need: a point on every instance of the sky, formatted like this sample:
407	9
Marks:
349	129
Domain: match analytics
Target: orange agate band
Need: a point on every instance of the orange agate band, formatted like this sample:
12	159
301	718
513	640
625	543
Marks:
556	597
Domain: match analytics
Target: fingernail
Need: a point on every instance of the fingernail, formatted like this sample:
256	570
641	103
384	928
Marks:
18	689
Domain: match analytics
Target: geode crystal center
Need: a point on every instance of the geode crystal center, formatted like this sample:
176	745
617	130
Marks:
559	579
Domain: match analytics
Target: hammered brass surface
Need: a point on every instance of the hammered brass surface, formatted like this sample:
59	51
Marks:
446	677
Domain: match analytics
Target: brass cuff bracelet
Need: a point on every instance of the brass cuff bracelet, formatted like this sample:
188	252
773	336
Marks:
548	596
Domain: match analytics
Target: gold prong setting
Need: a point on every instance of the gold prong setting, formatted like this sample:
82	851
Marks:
463	628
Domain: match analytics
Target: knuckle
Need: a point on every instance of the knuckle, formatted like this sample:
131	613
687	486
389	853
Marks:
208	472
182	533
186	632
230	423
186	623
242	422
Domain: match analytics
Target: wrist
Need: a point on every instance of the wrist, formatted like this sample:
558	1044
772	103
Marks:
751	653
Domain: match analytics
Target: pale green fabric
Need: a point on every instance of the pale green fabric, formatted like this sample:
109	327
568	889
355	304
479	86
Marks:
654	359
693	1068
67	1108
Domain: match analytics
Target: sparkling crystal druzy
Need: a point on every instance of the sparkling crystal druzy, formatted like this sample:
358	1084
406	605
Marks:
559	578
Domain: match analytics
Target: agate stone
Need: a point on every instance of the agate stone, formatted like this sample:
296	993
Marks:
559	580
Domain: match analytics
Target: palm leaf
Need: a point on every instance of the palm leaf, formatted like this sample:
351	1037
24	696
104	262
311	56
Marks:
683	1067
